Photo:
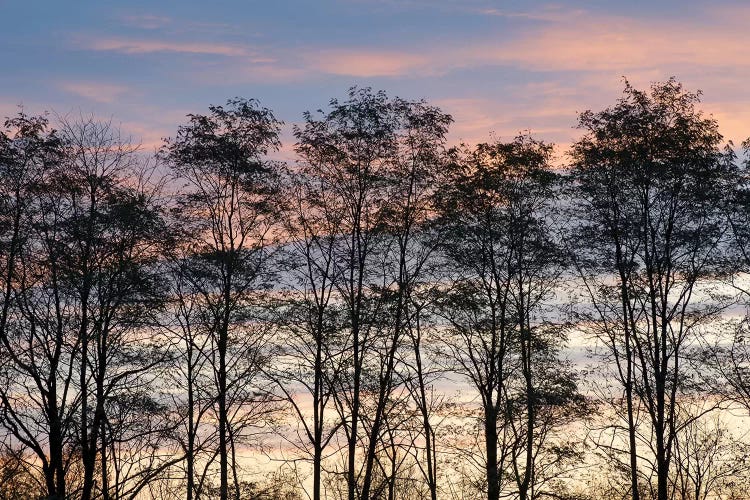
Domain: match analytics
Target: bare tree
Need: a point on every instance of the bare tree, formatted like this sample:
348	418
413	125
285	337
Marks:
107	235
709	460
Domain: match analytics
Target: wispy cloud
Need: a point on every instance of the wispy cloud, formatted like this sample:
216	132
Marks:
178	25
525	108
580	55
554	39
148	46
366	63
566	41
609	44
549	13
146	21
98	92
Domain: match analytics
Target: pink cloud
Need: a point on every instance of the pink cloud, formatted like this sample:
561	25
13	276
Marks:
180	25
558	40
601	44
593	50
367	62
480	120
144	46
99	92
563	41
271	70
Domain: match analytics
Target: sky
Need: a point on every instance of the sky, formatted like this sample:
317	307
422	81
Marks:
497	67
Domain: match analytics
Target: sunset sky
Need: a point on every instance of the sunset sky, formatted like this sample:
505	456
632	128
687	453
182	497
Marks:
496	66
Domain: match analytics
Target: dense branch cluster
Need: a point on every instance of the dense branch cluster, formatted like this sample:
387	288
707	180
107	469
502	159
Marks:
385	317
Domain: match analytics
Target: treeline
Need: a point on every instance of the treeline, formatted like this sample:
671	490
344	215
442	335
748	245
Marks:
211	323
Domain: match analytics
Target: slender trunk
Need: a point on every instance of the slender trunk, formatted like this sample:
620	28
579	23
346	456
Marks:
61	483
56	411
56	471
490	439
88	444
317	459
222	402
103	461
662	470
662	465
191	431
392	479
628	331
352	445
86	451
526	364
530	417
49	481
631	422
426	426
356	250
318	411
235	476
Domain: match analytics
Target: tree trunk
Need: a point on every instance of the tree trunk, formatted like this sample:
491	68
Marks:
426	426
318	410
222	401
530	417
190	458
351	479
490	438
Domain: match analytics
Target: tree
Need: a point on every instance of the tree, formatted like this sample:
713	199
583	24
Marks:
348	149
192	373
496	237
16	481
103	228
729	355
227	208
709	460
80	293
310	321
651	185
411	176
373	159
29	150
